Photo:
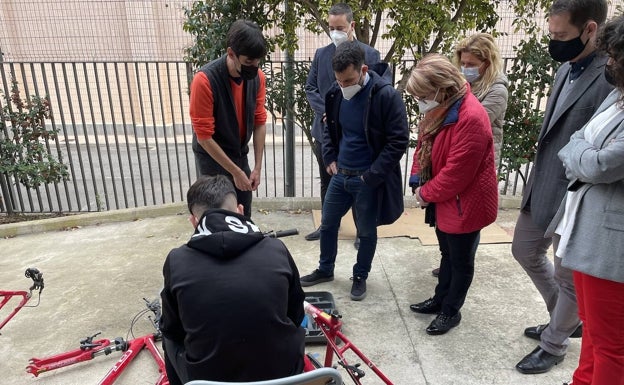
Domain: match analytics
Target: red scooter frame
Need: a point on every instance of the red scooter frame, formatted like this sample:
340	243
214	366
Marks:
338	343
37	278
89	349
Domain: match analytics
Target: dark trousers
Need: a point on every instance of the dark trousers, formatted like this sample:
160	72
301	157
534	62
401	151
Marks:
175	365
345	192
207	166
456	269
325	177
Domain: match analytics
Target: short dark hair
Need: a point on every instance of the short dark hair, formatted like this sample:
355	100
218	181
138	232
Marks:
209	192
348	53
581	11
246	38
342	9
611	40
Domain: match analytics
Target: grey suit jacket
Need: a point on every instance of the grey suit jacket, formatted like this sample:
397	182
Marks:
321	78
547	183
596	245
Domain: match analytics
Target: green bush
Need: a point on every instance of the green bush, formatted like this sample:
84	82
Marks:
23	137
530	78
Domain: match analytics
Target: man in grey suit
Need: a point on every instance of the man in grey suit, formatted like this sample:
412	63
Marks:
579	88
321	78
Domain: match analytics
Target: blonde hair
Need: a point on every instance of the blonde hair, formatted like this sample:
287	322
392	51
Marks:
434	72
483	47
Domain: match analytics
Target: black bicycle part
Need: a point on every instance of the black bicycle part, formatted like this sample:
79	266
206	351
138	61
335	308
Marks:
281	233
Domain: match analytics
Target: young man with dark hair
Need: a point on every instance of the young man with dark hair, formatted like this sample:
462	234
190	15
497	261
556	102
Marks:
321	78
365	137
226	278
578	90
227	109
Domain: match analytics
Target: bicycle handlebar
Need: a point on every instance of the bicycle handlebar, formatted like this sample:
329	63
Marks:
37	278
281	233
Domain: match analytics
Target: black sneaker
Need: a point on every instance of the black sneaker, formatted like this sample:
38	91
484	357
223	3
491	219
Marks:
315	278
314	236
443	323
358	289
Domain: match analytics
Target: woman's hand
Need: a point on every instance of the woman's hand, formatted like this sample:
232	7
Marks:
421	202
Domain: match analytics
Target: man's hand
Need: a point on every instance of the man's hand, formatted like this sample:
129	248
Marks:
241	181
332	169
254	178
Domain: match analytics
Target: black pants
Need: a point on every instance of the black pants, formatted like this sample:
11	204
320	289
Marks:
207	166
456	269
174	362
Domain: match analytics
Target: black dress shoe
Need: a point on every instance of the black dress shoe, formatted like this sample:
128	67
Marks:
538	361
426	307
443	323
435	272
313	236
535	332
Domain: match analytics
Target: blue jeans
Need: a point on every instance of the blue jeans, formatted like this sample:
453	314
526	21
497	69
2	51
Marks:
343	193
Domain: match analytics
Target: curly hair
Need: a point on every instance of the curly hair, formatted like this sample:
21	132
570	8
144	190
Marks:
483	47
611	41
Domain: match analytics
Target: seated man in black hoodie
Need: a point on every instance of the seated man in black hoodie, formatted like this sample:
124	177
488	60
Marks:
232	303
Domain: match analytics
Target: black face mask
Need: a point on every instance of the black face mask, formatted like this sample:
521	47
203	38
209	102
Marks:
248	72
609	76
563	51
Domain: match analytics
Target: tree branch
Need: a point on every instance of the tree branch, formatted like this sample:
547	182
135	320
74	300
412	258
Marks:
438	40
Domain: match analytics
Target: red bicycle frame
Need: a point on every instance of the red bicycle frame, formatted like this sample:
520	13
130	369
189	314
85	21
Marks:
37	278
89	349
134	348
40	365
338	343
96	348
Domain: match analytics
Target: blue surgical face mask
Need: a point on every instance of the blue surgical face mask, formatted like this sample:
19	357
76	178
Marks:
470	73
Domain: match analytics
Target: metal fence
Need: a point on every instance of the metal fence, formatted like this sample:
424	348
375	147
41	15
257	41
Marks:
125	135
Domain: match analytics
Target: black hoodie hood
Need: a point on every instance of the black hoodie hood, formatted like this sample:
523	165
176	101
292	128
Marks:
224	234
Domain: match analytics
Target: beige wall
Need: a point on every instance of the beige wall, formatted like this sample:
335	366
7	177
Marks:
134	30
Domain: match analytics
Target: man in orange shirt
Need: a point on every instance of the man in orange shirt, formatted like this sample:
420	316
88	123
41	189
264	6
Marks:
227	109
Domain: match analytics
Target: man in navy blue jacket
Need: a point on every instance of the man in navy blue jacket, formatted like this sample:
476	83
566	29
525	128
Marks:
365	137
321	78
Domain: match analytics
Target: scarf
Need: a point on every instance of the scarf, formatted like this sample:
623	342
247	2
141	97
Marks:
429	128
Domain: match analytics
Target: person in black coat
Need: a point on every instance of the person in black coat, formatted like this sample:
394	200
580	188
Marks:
232	303
365	137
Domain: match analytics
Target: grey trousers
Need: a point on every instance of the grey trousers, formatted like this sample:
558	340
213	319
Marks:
553	281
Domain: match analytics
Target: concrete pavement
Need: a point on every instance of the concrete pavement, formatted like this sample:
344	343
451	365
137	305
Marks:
98	267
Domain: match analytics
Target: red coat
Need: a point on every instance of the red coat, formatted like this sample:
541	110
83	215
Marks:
464	186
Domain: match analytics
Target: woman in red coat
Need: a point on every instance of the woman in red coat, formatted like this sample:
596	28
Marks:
453	178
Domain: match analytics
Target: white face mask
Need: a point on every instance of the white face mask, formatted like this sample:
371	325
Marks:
470	73
338	37
349	92
428	104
